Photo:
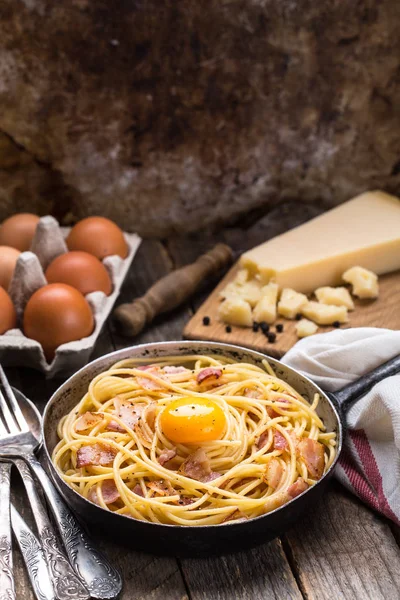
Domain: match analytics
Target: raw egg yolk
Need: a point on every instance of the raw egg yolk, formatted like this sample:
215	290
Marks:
192	420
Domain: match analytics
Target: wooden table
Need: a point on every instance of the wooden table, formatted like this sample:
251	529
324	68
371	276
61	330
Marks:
340	549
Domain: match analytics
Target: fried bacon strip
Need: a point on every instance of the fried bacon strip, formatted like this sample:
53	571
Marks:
96	454
273	473
209	372
166	455
128	412
87	421
297	488
313	455
109	491
197	466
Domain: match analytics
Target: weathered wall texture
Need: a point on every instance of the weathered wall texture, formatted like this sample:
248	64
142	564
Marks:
171	115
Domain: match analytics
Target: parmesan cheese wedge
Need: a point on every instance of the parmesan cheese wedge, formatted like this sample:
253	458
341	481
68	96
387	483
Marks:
265	309
235	311
364	231
339	296
324	314
291	303
364	282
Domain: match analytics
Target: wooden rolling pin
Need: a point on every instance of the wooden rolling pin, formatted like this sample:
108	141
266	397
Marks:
170	291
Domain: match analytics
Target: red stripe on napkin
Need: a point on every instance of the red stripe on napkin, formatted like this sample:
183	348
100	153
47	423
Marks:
357	481
363	447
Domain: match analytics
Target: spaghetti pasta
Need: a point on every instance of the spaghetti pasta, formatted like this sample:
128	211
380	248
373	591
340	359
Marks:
192	440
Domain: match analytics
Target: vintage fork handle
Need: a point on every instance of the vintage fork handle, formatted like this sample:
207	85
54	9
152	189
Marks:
66	583
103	581
7	590
33	556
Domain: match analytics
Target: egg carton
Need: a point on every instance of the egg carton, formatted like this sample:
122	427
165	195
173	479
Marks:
49	242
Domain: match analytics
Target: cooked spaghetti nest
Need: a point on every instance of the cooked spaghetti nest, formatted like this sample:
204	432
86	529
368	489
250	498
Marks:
271	446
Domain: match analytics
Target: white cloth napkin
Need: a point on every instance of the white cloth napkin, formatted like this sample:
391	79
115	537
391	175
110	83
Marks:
370	462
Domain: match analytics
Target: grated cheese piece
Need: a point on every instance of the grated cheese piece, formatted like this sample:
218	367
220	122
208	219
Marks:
241	286
364	282
235	311
291	303
324	314
265	309
304	328
339	296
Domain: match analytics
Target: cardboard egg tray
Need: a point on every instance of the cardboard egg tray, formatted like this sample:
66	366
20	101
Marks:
18	350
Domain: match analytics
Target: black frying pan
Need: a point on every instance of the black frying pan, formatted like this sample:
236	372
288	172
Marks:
204	540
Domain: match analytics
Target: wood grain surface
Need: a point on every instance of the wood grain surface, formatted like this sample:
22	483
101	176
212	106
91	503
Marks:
383	312
339	550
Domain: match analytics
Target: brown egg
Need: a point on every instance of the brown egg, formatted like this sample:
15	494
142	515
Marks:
81	270
56	314
8	316
18	231
98	236
8	259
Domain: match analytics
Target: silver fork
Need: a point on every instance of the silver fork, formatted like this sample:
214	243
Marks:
7	590
65	581
18	443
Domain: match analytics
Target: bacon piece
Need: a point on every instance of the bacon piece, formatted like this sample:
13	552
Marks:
138	490
249	393
184	501
128	412
162	487
280	442
312	452
172	370
147	368
297	488
262	440
96	455
235	516
197	466
87	421
273	473
166	456
271	413
146	382
109	491
207	373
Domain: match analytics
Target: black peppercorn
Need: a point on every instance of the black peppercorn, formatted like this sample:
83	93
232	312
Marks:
279	328
298	316
255	326
206	320
228	329
271	337
264	326
336	324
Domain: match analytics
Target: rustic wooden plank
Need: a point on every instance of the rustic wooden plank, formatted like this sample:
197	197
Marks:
260	574
341	549
150	264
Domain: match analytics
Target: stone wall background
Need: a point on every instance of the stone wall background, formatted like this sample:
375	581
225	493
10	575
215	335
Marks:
173	115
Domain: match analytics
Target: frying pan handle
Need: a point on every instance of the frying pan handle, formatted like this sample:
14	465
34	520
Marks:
349	394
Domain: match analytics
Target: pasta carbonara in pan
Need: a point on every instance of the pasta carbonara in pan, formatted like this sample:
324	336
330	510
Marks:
192	440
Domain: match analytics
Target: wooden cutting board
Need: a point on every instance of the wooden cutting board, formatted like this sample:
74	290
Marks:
383	312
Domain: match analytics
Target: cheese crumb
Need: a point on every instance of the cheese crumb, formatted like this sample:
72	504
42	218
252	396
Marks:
235	311
265	309
304	328
291	303
242	287
324	314
338	296
364	282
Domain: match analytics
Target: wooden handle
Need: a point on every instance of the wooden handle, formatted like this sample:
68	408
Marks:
170	291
